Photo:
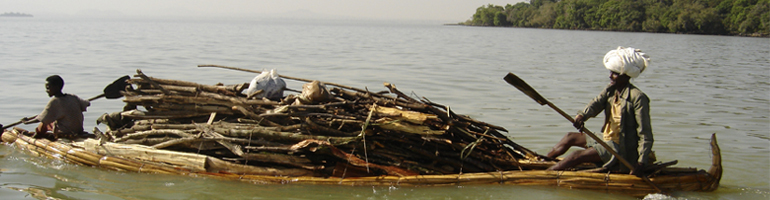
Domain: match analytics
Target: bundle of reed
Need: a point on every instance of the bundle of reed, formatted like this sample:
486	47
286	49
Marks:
331	131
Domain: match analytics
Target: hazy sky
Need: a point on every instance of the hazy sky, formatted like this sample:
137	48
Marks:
447	10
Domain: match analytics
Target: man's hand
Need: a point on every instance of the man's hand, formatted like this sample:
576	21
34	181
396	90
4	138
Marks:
27	120
579	122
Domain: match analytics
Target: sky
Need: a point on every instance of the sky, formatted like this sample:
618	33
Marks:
444	10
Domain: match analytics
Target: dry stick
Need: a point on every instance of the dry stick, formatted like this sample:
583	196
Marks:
283	159
228	90
371	96
328	131
380	99
176	141
282	136
292	78
463	117
148	141
449	120
154	132
153	83
499	135
363	137
135	128
193	100
197	108
252	115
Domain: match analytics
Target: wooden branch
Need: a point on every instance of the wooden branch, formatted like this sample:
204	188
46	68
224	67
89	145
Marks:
236	149
142	134
153	83
281	136
286	77
208	88
314	128
282	159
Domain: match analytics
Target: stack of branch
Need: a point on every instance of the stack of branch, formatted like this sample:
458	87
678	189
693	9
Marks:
344	131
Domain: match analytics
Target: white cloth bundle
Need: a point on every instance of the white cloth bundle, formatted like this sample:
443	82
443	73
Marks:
626	60
270	83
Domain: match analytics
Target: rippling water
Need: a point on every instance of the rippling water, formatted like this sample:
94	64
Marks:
698	85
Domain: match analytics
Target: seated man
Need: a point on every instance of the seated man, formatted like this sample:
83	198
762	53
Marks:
63	116
627	126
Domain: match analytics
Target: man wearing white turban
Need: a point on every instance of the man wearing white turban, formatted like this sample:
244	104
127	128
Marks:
627	127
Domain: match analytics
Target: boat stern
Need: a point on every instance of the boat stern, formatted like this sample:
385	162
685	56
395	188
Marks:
716	165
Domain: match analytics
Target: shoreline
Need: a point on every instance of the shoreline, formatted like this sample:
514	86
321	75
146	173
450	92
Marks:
753	35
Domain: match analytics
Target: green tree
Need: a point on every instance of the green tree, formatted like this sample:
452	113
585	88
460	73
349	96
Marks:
577	14
694	17
490	15
545	16
501	19
621	15
736	17
757	19
520	14
655	19
738	14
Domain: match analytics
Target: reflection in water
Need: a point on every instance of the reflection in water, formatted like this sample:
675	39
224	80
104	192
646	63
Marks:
37	193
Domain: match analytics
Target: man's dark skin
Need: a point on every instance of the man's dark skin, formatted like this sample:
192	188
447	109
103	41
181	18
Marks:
588	154
52	90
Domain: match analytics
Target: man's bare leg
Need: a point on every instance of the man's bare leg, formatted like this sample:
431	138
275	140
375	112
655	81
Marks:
572	139
588	155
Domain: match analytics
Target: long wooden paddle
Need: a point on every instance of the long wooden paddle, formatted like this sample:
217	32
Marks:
112	91
524	87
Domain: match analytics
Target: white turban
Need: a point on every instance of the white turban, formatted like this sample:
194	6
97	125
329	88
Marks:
626	60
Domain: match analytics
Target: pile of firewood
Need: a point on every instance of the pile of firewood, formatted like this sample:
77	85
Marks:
329	129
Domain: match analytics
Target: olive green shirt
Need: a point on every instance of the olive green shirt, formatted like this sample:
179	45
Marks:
635	143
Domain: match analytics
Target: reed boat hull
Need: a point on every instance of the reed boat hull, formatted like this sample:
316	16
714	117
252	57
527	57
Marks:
143	159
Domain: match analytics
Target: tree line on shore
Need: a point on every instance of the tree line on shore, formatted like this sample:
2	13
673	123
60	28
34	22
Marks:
713	17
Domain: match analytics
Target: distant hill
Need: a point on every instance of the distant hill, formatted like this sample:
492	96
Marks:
15	14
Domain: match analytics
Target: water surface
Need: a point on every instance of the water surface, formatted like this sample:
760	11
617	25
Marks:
698	85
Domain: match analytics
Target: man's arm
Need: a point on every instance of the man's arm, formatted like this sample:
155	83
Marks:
48	116
644	129
596	105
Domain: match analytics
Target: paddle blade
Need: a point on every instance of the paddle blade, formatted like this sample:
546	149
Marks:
524	87
112	91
